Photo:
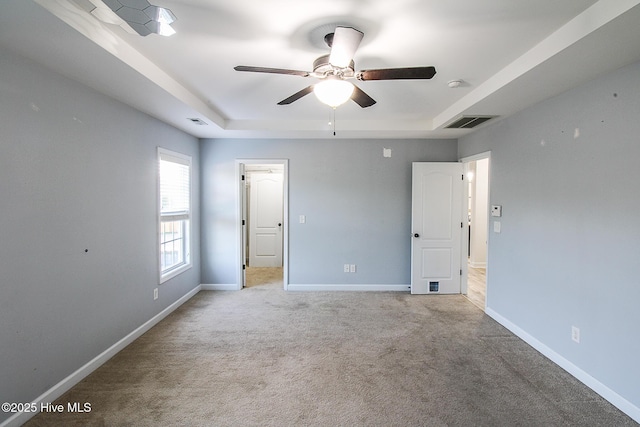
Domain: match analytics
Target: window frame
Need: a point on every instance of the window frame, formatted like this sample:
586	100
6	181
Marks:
168	273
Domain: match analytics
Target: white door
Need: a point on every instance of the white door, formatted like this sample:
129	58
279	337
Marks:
265	220
436	221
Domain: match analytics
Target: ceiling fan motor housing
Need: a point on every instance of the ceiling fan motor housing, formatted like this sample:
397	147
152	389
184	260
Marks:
323	68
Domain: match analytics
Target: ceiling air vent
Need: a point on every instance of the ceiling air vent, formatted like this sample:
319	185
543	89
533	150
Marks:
197	121
468	122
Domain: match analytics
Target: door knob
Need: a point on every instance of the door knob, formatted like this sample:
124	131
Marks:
416	235
279	224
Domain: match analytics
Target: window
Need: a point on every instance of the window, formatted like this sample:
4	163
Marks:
175	213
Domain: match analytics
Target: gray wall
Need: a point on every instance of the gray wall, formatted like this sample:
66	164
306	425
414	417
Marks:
566	172
77	171
357	205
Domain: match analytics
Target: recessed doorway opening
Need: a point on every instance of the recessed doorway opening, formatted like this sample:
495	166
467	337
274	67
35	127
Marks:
477	173
262	223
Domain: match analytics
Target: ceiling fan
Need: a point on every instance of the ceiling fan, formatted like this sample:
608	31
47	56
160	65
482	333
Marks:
334	69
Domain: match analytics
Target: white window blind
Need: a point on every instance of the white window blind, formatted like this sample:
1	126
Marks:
175	187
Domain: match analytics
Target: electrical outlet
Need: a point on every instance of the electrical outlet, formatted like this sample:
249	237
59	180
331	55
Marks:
155	294
575	334
352	268
346	268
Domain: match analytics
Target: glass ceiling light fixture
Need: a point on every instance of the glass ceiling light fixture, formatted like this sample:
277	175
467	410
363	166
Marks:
333	91
143	17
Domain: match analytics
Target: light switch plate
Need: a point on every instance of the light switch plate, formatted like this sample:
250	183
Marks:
497	227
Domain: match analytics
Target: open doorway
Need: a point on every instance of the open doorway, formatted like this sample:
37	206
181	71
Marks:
477	172
262	219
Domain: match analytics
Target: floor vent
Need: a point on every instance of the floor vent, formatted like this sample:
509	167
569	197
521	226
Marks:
198	121
468	122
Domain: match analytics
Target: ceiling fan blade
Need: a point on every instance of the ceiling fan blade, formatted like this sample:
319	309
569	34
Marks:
361	98
271	70
307	90
345	43
412	73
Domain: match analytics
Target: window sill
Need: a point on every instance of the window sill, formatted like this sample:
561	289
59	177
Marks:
173	273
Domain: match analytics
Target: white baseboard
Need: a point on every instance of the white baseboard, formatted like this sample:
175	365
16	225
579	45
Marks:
611	396
349	287
220	287
317	287
63	386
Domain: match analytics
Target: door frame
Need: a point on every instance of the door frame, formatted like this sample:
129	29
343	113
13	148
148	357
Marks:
241	234
464	285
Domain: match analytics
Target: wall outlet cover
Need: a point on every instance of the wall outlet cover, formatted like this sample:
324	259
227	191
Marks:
575	334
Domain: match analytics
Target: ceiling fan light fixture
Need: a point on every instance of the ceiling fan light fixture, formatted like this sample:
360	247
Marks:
160	14
143	17
333	91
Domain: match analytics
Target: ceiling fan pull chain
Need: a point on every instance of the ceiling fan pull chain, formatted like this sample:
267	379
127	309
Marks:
334	121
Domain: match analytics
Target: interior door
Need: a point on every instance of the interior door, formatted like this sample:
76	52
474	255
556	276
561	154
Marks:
265	220
436	220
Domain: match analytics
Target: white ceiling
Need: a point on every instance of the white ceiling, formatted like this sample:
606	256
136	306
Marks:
509	55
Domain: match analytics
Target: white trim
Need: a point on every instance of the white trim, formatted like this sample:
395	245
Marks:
316	287
464	243
611	396
219	287
174	156
350	287
479	156
173	273
74	378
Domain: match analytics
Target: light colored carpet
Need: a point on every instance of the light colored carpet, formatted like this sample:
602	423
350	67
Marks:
266	277
264	357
